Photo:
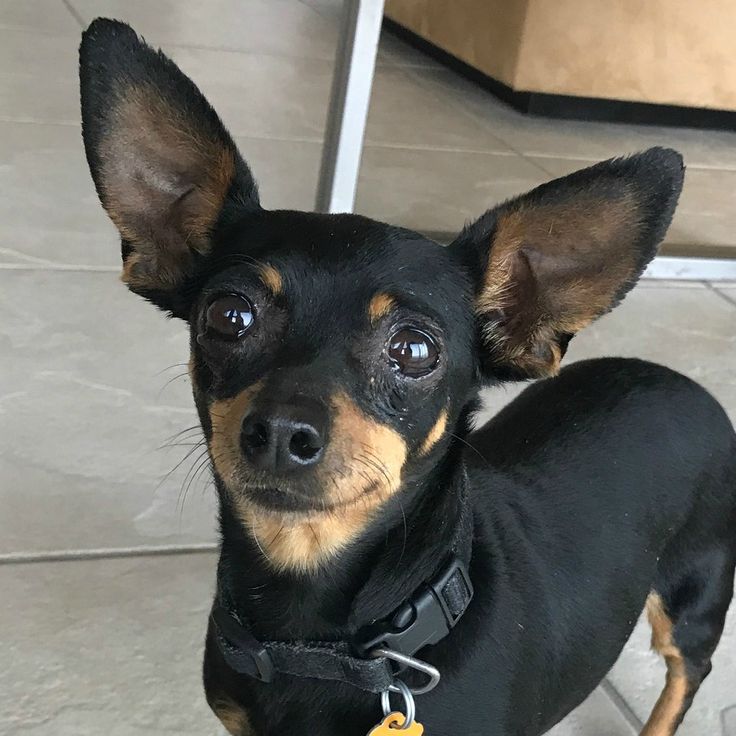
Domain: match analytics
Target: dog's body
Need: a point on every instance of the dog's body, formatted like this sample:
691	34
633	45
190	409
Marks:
336	362
573	531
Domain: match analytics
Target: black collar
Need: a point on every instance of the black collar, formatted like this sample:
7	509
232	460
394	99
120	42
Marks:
425	618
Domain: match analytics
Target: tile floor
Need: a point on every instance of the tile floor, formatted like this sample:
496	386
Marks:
106	560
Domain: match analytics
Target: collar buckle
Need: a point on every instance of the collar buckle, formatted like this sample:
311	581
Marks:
426	618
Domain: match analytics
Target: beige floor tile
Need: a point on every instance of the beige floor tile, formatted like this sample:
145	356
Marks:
50	16
261	95
329	9
40	55
286	171
706	213
690	330
526	134
108	647
537	136
403	113
282	27
279	97
38	76
597	716
84	409
49	207
437	190
727	290
394	51
29	98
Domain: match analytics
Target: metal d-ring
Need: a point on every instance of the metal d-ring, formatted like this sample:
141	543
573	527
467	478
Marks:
411	709
412	663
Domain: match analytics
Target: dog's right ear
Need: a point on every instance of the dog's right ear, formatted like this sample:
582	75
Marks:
165	168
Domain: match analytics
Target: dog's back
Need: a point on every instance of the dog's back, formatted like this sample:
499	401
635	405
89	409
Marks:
589	547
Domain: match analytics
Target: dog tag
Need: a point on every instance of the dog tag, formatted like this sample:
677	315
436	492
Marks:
391	726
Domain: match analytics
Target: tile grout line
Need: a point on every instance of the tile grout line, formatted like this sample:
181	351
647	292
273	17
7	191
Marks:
480	120
111	553
718	292
414	74
619	703
73	11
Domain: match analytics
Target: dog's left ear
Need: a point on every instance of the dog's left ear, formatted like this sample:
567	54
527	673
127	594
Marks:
165	168
548	263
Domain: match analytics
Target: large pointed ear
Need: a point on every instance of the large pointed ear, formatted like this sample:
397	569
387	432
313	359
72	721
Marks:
165	168
548	263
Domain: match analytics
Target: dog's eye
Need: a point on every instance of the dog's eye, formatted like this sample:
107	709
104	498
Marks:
229	317
413	352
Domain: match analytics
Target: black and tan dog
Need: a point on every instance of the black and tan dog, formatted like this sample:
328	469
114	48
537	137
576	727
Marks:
336	363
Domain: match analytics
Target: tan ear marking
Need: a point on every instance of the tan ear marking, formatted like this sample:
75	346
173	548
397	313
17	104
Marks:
553	269
379	306
163	183
272	279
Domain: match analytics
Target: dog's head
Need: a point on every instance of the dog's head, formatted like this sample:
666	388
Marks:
332	356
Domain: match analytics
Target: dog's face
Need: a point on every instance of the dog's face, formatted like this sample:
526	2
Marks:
333	357
330	358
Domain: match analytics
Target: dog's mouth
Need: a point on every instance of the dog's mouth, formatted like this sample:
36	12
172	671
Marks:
271	498
293	501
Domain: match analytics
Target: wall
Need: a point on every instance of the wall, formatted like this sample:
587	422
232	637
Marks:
664	51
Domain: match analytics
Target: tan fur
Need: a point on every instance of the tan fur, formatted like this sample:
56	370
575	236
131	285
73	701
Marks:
272	279
435	434
670	706
226	417
361	469
232	716
379	306
575	260
156	161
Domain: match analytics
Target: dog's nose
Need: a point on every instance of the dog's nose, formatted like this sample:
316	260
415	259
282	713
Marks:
287	437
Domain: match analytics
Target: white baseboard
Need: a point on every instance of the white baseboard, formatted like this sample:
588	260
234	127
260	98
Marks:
692	269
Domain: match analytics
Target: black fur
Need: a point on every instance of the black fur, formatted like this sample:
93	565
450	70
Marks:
594	488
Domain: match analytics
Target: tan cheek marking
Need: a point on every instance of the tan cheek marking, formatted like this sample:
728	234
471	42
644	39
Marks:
226	416
435	434
232	716
379	306
272	279
361	469
666	714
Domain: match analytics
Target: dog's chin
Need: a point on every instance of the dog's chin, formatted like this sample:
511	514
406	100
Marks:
278	501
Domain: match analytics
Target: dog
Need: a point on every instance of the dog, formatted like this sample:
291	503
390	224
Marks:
371	542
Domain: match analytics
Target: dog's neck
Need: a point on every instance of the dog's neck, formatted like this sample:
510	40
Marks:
401	549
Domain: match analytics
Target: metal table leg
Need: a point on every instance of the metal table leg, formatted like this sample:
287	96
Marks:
349	100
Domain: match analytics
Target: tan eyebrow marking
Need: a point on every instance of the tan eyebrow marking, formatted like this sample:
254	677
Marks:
379	306
272	279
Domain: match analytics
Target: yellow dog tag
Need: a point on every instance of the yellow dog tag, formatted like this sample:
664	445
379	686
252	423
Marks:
391	726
